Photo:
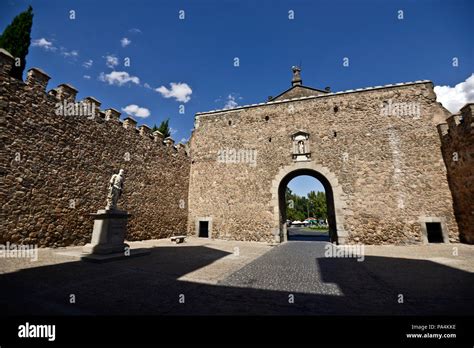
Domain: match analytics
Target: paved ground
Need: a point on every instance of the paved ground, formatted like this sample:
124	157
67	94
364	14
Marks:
224	277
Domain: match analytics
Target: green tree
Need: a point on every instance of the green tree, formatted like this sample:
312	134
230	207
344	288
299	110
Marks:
155	128
314	205
296	206
16	39
164	128
290	200
319	204
288	194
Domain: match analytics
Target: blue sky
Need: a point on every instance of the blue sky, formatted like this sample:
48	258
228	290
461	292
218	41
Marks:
303	184
196	54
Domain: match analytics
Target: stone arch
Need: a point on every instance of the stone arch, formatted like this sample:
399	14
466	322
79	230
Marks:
335	195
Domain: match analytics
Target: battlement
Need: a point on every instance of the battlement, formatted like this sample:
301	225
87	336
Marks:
457	145
58	153
458	125
65	95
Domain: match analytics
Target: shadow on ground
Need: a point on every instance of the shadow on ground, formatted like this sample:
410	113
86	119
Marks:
306	238
149	285
307	235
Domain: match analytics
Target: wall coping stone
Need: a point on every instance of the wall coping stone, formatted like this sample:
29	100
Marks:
359	90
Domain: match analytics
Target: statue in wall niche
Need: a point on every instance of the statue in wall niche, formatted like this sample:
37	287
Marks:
115	190
301	146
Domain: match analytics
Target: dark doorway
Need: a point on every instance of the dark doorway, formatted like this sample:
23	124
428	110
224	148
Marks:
204	229
434	231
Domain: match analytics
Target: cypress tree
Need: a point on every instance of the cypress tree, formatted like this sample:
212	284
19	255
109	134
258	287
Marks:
164	128
16	40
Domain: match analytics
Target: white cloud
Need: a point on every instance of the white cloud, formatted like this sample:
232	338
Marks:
137	111
44	44
230	102
66	53
180	91
118	78
88	63
111	61
146	85
87	77
125	42
454	98
135	31
173	131
48	46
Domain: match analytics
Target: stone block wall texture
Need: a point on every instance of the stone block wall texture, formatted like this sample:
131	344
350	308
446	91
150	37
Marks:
389	169
54	170
458	150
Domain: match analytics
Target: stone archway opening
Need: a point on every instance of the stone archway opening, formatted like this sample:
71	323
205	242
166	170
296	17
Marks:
306	210
286	231
337	206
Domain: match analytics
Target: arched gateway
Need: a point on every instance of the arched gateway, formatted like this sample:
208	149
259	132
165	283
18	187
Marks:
334	195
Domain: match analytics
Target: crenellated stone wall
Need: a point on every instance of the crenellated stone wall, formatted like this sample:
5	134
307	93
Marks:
457	136
55	168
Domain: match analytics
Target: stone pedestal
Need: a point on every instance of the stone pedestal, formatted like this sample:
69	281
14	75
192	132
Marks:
108	235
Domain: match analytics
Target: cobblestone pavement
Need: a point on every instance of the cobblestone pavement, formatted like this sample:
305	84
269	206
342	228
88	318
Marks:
225	277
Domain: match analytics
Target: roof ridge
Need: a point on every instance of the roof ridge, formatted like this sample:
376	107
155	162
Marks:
316	96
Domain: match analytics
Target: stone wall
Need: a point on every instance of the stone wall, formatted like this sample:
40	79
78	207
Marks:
388	170
54	169
458	149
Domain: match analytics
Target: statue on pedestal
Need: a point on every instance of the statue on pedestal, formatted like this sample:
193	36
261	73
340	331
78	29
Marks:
115	190
110	225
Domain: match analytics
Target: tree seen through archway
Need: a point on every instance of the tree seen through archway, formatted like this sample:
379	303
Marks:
306	209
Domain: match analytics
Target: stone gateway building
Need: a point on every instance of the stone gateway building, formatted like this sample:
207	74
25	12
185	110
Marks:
376	151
